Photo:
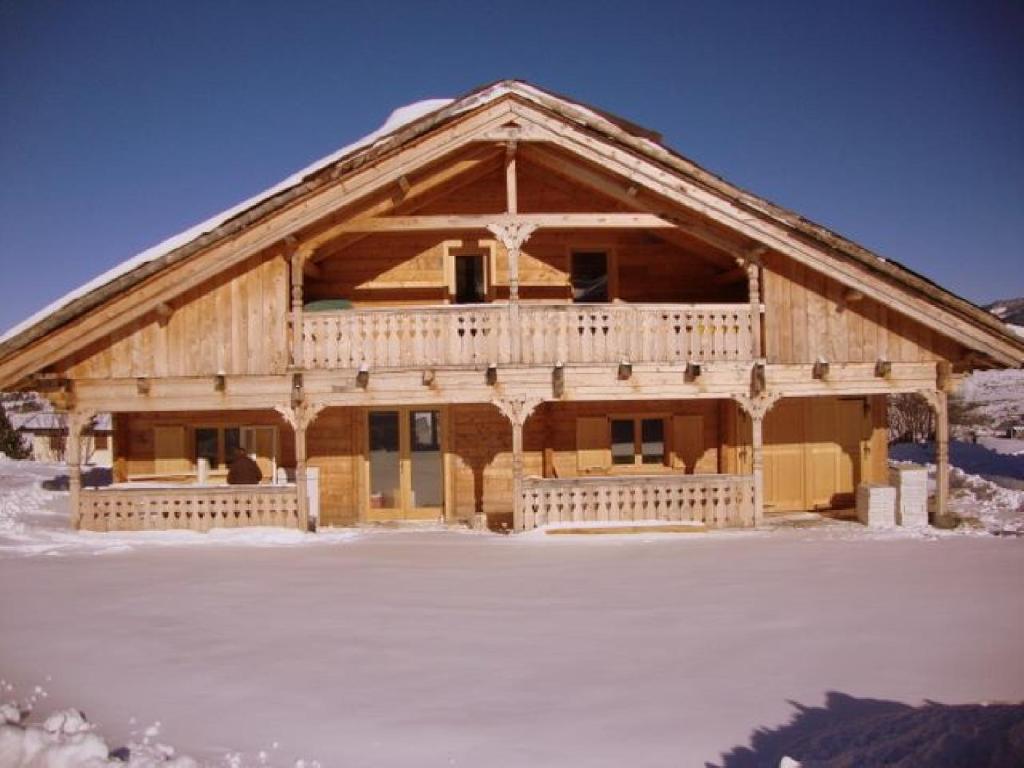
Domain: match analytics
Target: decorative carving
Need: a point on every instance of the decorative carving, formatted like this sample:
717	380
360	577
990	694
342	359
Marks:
517	408
757	406
299	417
512	232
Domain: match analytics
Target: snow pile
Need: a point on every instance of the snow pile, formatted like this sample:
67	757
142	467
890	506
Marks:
998	509
67	740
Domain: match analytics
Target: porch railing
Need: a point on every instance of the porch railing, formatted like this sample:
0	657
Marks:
716	501
187	507
547	333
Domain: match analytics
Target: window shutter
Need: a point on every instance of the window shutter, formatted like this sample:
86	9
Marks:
687	441
170	456
593	444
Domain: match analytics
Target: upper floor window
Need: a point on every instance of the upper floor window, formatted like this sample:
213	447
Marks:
470	280
589	276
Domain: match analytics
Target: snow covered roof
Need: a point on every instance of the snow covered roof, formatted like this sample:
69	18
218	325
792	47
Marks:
50	421
411	121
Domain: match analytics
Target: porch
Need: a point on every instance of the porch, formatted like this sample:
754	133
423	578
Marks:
529	334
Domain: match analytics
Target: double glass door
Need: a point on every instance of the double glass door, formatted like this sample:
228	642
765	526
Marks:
406	472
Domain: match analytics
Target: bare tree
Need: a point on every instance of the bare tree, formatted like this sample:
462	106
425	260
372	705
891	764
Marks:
911	419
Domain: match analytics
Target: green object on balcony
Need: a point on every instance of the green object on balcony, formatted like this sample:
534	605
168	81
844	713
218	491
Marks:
327	305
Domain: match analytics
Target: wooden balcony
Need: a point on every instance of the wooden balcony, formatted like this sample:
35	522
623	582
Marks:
479	335
187	507
717	501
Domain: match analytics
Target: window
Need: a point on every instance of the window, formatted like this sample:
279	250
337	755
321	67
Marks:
470	284
217	444
638	441
589	276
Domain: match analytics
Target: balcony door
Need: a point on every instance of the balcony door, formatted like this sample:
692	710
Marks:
405	464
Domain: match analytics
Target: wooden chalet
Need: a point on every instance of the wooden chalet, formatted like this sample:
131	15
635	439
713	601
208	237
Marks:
508	309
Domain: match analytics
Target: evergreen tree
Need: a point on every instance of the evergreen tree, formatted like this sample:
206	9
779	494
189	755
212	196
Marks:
11	443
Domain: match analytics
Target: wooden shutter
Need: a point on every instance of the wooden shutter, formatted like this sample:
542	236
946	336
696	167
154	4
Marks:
593	444
170	454
687	441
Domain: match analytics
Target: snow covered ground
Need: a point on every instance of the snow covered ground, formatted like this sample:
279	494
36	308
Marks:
996	397
433	648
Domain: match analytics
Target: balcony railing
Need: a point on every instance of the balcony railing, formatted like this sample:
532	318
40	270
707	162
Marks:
187	507
716	501
479	335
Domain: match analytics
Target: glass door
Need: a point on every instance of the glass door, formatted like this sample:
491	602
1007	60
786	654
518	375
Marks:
385	497
406	467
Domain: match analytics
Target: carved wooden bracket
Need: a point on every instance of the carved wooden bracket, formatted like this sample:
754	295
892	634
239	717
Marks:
512	233
300	417
757	406
517	408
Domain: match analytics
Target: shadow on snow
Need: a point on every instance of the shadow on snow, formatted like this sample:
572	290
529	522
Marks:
864	733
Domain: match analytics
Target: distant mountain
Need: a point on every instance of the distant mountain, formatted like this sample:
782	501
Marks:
1008	310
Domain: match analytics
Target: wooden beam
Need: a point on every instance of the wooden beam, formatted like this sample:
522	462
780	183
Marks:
468	167
626	192
511	189
484	220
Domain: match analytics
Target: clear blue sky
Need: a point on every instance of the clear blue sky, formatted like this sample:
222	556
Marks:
900	125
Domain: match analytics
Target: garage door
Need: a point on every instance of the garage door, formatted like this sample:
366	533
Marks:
813	452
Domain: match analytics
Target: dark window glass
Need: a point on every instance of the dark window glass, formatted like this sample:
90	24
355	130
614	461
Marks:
469	279
232	441
623	451
206	445
590	277
652	435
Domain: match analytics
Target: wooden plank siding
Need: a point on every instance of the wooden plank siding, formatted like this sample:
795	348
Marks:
235	324
807	317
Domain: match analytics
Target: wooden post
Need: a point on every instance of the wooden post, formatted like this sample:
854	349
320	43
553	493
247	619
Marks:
756	406
76	422
518	523
517	410
302	492
754	283
300	416
941	455
757	447
513	234
298	358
